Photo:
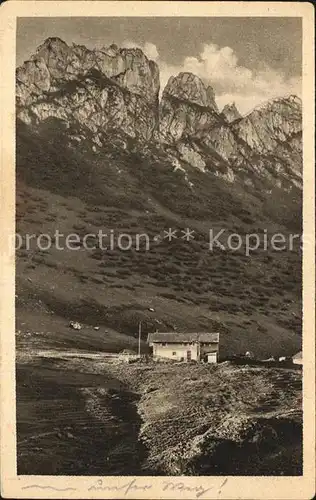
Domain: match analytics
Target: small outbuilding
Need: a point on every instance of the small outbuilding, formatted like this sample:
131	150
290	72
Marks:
185	346
127	355
298	358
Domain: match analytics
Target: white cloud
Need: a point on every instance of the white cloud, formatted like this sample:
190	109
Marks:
218	67
149	49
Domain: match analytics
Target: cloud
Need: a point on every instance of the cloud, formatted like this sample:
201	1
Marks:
148	48
151	51
218	67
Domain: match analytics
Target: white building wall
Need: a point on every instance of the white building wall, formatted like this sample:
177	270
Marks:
176	351
212	357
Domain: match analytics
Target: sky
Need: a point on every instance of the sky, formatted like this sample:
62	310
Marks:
246	60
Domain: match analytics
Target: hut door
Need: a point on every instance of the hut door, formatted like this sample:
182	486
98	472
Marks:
188	355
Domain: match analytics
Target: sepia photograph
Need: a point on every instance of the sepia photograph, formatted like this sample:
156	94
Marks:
159	241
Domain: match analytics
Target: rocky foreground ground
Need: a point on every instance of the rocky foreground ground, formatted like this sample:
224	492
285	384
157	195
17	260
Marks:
88	417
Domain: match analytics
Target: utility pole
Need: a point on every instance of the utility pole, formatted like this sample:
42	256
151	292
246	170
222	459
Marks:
139	336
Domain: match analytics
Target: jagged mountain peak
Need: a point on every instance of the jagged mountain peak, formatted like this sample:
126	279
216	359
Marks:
275	122
129	67
230	112
53	41
293	98
190	87
290	102
100	88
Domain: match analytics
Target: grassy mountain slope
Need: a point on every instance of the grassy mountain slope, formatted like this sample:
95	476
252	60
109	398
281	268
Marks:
254	302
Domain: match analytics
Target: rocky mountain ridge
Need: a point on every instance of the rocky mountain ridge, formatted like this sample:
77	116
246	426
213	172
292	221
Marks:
101	91
107	88
97	148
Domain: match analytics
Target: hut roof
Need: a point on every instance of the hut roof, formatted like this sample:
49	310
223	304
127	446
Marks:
176	337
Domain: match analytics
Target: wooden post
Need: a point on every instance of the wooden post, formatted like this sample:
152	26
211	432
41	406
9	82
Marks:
139	336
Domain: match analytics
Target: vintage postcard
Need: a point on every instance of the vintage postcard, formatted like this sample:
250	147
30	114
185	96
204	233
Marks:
157	250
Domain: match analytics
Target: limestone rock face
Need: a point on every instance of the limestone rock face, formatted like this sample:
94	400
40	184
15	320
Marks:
230	112
109	92
112	87
187	108
180	119
266	143
33	78
222	139
190	88
275	122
